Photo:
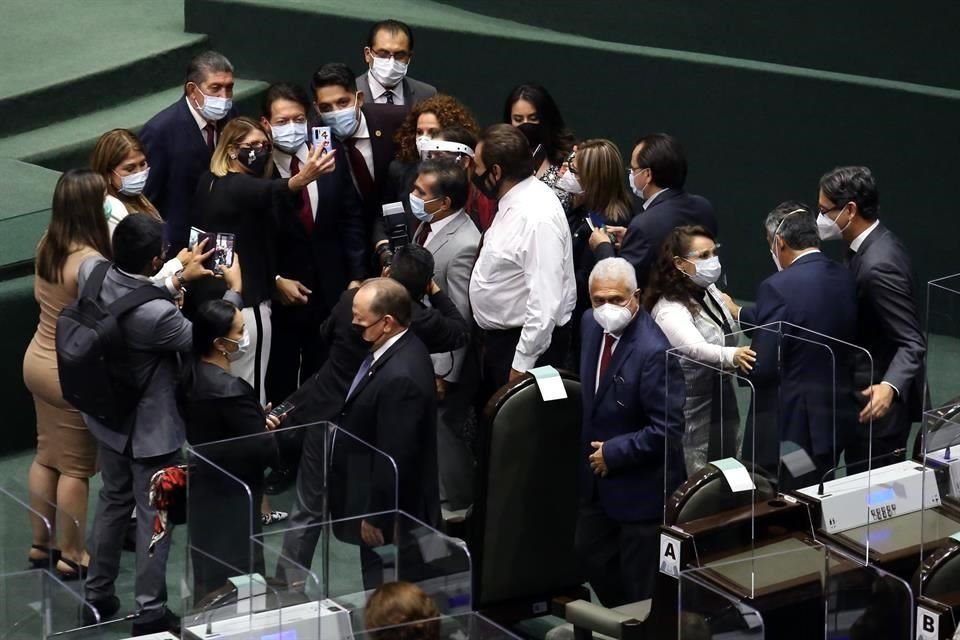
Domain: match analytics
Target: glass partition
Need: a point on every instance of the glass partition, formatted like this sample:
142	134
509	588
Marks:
938	514
470	626
943	341
35	604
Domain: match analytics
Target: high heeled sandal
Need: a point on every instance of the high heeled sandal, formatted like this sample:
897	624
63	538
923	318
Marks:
78	571
53	556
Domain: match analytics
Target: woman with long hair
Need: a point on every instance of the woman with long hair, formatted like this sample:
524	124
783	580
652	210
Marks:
118	156
685	302
66	455
533	110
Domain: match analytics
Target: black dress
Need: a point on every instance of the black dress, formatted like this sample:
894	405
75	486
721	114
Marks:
226	474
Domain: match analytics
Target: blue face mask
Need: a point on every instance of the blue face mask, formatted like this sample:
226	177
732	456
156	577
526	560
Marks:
132	185
214	108
289	137
343	122
417	207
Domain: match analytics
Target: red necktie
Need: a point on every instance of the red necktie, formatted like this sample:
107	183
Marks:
360	171
210	133
607	354
423	233
306	211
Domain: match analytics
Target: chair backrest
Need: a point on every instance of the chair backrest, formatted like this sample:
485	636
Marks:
939	574
707	493
526	507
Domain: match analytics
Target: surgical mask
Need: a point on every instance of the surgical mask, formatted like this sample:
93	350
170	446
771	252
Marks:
421	141
480	182
828	229
388	71
254	159
633	185
289	137
612	317
417	208
132	185
214	108
773	246
773	254
708	271
344	122
242	345
570	183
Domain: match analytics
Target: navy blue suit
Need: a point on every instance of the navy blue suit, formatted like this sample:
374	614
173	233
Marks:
178	155
806	393
649	229
632	413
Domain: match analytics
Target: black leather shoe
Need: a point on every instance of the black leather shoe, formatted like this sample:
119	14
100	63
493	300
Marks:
278	481
106	608
169	621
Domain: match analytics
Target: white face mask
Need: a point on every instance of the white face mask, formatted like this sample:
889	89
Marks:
343	122
388	71
242	345
612	317
773	245
708	271
289	137
132	184
633	184
214	108
569	183
421	141
828	229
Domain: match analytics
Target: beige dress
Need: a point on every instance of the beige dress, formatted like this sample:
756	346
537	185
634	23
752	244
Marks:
63	442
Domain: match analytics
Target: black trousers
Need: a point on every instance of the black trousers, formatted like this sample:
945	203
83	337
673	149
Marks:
618	558
895	427
296	350
497	349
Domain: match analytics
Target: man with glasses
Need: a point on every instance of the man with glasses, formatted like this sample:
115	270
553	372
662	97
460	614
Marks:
887	323
387	54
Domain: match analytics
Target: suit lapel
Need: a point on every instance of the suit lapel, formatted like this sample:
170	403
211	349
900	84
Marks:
620	355
865	246
190	125
408	98
592	354
448	233
376	366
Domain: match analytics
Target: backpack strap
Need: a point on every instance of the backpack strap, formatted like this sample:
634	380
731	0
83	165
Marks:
140	295
91	288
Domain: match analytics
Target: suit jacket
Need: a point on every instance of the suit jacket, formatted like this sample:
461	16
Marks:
636	411
394	409
155	333
326	259
887	323
413	90
440	327
805	389
454	253
647	231
178	155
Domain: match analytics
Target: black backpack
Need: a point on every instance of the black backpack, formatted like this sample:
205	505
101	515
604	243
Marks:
92	355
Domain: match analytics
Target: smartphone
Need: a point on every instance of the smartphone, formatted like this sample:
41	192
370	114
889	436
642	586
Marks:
222	245
590	224
282	409
321	138
194	237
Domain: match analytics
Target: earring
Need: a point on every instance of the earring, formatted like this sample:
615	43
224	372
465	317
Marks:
233	156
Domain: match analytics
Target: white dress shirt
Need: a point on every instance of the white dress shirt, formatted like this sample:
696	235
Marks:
698	337
437	226
613	348
380	92
524	273
855	244
649	201
202	123
282	160
386	345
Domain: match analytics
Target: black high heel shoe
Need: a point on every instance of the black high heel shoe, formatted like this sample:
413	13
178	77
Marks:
53	556
78	571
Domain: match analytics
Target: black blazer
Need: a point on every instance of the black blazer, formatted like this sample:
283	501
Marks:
887	322
647	231
394	408
178	155
245	205
440	327
327	259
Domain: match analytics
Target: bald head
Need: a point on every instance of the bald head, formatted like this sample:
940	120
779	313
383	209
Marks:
381	309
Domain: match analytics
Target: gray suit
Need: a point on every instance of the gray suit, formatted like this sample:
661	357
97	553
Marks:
413	90
454	250
156	333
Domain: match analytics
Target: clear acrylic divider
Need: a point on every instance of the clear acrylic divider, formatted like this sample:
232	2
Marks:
865	601
35	604
468	626
943	341
937	521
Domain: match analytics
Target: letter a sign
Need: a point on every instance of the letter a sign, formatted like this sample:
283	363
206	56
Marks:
928	624
669	556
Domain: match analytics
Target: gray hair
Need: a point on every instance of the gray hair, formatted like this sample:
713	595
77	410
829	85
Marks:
795	223
203	64
615	269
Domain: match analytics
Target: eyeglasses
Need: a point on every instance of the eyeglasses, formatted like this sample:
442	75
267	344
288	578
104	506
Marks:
831	209
399	56
634	170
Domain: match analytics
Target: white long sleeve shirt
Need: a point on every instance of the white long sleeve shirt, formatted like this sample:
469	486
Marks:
524	273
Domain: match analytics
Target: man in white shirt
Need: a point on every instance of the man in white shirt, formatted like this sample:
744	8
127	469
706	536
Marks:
388	54
523	289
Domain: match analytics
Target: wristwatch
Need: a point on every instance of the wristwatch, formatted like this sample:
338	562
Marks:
180	279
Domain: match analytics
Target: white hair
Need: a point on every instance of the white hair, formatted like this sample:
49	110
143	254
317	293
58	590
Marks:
615	269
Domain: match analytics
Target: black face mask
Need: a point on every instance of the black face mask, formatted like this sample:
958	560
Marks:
482	184
254	160
359	329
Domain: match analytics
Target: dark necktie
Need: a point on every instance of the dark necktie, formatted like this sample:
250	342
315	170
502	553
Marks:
360	171
389	96
848	256
361	373
210	133
607	354
306	211
423	233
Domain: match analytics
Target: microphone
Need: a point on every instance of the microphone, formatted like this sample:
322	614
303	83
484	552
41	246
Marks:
891	454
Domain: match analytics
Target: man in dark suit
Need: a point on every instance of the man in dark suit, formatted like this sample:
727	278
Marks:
180	140
321	244
366	131
632	415
803	373
388	54
658	171
887	322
